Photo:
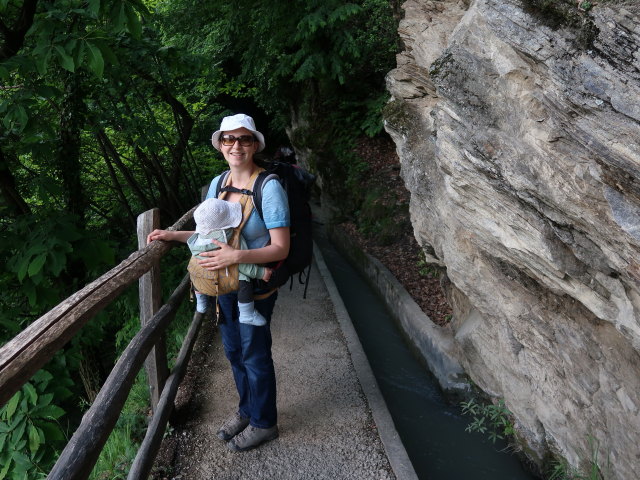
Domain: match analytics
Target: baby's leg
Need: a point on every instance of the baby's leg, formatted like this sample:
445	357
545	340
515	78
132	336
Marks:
202	301
248	313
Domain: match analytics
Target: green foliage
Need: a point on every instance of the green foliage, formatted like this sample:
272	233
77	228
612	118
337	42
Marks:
323	23
491	419
594	468
67	35
107	107
30	431
96	122
379	217
585	5
123	443
426	269
39	254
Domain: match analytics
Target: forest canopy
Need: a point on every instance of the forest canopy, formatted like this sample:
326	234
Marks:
106	110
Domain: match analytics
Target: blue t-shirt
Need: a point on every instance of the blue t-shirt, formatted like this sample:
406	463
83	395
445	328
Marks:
275	210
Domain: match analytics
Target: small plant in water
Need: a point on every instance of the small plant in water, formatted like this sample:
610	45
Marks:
491	419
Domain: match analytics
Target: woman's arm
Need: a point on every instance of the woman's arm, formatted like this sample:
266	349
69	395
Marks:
169	235
278	249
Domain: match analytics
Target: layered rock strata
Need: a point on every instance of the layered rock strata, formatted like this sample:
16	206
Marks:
518	132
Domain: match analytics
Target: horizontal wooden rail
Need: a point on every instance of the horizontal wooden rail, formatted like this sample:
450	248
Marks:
81	453
31	349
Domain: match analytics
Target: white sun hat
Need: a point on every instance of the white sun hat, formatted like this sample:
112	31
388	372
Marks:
216	214
232	122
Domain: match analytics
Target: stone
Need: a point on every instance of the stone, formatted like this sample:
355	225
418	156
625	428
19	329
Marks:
519	140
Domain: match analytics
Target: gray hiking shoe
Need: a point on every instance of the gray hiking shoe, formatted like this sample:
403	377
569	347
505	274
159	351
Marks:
251	437
232	426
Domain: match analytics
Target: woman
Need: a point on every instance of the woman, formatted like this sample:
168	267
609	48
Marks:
247	347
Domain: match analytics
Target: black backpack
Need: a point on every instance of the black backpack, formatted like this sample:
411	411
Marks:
297	183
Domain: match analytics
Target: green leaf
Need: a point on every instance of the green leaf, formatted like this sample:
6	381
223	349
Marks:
31	292
107	53
22	117
45	399
36	265
51	411
20	445
70	45
42	62
94	7
17	434
96	62
3	5
47	92
6	461
57	262
118	17
66	61
21	460
78	53
42	376
34	439
52	433
133	22
31	392
12	405
16	117
344	12
4	73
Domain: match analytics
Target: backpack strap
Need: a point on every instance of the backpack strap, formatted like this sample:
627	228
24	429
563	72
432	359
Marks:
222	188
222	181
258	186
256	192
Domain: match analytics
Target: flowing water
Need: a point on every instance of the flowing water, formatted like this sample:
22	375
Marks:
432	430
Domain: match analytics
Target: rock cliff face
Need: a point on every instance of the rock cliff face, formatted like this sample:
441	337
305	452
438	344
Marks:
518	132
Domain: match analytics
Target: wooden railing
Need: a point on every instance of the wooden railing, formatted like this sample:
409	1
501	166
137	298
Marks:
37	344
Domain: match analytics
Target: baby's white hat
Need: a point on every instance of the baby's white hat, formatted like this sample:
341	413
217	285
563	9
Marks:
216	214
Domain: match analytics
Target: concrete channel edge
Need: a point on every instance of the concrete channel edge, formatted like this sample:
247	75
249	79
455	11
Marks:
433	343
396	453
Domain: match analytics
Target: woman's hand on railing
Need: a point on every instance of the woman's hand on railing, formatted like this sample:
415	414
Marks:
169	235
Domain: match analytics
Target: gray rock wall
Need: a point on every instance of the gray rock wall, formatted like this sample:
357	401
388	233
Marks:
519	139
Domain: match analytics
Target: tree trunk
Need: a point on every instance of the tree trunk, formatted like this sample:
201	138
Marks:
8	189
72	117
13	36
109	150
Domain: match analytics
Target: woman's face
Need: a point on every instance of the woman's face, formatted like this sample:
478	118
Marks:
236	155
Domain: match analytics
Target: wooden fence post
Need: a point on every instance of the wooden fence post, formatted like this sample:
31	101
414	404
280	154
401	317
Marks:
150	301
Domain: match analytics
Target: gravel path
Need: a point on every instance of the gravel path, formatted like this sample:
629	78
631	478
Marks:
326	428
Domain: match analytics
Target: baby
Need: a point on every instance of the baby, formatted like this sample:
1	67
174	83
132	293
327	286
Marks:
216	219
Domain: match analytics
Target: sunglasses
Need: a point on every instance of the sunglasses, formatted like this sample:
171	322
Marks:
244	140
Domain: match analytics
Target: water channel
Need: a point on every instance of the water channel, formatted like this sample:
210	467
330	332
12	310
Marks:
432	430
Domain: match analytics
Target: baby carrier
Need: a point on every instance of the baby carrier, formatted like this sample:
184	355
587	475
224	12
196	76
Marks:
224	280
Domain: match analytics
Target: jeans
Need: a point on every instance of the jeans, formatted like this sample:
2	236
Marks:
248	349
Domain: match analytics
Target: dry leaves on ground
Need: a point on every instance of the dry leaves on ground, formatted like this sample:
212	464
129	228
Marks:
402	257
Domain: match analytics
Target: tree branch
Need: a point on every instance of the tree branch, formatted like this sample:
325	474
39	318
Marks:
14	36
